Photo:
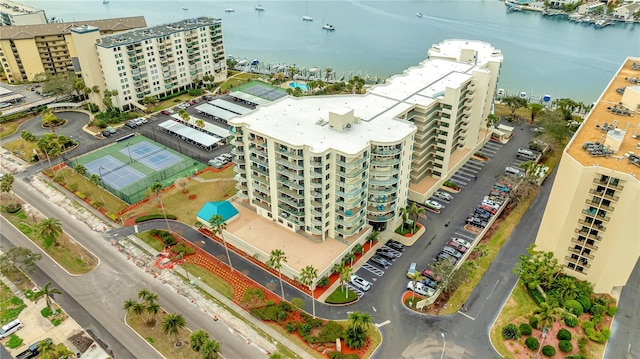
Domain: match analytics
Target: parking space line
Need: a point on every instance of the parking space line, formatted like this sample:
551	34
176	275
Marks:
465	236
373	269
485	149
486	154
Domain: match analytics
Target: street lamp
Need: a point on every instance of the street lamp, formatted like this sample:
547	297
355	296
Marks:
443	345
100	172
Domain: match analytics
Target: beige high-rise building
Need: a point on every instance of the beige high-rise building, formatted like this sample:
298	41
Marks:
28	50
158	60
592	219
13	13
335	166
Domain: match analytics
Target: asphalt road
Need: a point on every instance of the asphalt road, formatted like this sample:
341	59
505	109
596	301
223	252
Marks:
101	292
625	330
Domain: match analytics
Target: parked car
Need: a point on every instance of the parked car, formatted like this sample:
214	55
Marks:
207	97
430	283
33	350
443	195
10	328
452	252
139	121
395	245
106	133
192	102
380	261
360	283
461	242
131	124
433	204
421	289
429	274
442	256
488	209
457	246
387	253
167	112
413	269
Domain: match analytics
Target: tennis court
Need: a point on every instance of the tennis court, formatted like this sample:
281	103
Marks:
129	167
151	155
262	90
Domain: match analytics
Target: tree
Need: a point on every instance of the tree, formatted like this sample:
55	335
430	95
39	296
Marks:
345	277
131	305
415	278
218	225
80	169
197	339
491	122
373	236
360	319
184	115
292	71
450	277
95	179
172	323
327	73
50	120
154	190
18	258
182	183
514	103
356	335
547	314
535	109
50	229
61	84
308	275
555	127
210	349
47	292
147	296
276	259
6	184
415	212
200	123
404	213
565	288
537	268
349	257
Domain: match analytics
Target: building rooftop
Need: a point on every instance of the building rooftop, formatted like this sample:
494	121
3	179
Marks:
606	111
14	8
31	31
452	49
135	36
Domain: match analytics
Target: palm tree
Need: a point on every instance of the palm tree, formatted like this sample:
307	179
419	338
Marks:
293	71
491	121
6	184
372	237
46	292
547	315
308	275
218	225
349	257
535	109
95	179
327	73
129	304
197	339
184	115
415	212
172	324
275	261
147	296
50	228
404	212
415	278
360	319
155	189
152	308
355	336
80	169
345	277
50	120
210	349
200	123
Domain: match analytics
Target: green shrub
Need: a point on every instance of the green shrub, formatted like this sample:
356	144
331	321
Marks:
323	282
173	95
154	216
452	184
339	355
582	344
290	327
535	295
267	313
593	334
112	216
571	321
13	116
281	316
525	329
563	334
612	310
304	329
574	307
533	321
565	346
510	332
80	195
532	343
285	306
585	301
548	351
14	342
576	356
597	310
46	312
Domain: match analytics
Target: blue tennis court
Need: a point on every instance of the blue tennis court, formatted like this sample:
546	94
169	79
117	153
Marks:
113	172
151	155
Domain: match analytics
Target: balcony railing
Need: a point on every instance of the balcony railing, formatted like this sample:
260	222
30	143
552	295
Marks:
290	201
383	181
379	218
375	161
290	183
290	192
386	152
352	162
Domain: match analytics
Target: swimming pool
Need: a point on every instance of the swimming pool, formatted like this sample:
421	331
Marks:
302	87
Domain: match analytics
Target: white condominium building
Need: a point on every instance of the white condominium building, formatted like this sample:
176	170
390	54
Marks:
592	219
13	13
154	61
333	166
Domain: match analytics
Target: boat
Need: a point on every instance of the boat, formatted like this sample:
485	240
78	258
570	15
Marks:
259	7
523	95
419	14
306	16
185	8
328	27
105	2
229	10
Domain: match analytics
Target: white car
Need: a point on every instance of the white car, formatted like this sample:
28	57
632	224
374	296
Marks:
443	195
433	204
421	289
360	283
461	242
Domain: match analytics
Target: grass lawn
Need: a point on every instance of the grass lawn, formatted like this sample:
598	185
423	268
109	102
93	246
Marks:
22	148
77	183
519	304
523	112
180	204
20	280
171	102
339	297
152	242
161	342
9	128
68	254
210	279
225	173
10	305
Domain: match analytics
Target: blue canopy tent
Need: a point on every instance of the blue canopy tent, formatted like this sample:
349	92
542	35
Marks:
223	208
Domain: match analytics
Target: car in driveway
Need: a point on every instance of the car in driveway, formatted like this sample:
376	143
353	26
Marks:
389	254
380	261
421	289
360	283
457	246
443	195
461	242
433	204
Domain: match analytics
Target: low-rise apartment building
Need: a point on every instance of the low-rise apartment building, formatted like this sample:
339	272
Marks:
591	219
28	50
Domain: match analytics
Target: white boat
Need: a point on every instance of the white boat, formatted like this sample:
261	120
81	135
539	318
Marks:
229	10
523	95
419	14
328	27
307	18
259	7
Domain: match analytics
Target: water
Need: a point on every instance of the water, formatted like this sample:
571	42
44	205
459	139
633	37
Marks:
543	55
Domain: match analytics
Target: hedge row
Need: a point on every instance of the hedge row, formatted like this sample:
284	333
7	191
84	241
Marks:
154	216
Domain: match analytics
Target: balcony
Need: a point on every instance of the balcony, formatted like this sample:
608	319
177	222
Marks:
350	222
584	243
348	231
374	208
290	210
258	150
261	187
356	211
351	173
603	195
259	169
382	198
261	179
350	193
607	184
386	152
290	201
596	215
290	192
383	181
376	161
381	191
379	218
600	227
316	174
289	164
263	196
242	194
261	204
290	183
297	154
350	162
588	235
384	171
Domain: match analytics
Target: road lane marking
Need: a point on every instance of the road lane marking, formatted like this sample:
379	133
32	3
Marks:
383	323
466	315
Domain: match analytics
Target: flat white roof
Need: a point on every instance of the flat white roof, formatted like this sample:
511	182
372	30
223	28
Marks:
216	111
208	127
230	106
190	133
452	48
297	121
250	98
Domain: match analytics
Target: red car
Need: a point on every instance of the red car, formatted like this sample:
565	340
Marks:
165	112
457	246
429	274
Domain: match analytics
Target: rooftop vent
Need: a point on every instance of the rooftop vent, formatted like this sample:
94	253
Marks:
597	149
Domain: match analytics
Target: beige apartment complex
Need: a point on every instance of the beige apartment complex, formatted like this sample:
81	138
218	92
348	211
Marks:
12	13
592	220
336	167
153	61
28	50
